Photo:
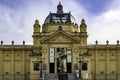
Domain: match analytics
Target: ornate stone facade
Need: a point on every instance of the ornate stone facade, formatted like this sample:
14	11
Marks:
30	62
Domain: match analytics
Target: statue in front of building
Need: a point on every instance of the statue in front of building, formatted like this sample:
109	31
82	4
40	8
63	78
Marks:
62	57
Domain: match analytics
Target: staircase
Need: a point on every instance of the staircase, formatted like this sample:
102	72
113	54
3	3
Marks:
53	76
71	76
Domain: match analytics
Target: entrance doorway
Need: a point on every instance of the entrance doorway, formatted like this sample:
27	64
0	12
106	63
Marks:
51	68
58	65
69	67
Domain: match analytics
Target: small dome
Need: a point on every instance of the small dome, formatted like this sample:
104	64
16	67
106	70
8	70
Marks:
82	21
36	21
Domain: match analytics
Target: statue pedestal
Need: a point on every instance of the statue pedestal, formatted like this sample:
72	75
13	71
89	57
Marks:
63	76
77	73
44	73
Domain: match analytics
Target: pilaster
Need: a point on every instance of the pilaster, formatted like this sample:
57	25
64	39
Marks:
56	56
107	63
23	62
12	63
118	62
96	62
1	63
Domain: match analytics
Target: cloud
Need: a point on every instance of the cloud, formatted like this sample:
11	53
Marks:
17	19
95	6
11	24
105	27
16	22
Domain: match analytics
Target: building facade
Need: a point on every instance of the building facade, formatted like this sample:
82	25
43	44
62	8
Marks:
30	62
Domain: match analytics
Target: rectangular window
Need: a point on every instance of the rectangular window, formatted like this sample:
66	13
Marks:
84	66
69	52
36	66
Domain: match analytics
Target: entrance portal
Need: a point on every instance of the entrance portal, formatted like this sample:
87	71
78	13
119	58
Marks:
51	68
58	65
69	67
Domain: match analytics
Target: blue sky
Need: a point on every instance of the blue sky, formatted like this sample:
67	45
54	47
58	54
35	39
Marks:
95	6
17	18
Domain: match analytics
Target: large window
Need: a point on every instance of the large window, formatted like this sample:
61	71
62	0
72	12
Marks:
69	52
36	66
84	66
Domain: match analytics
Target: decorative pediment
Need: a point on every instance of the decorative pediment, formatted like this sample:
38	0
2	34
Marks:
85	54
60	37
35	54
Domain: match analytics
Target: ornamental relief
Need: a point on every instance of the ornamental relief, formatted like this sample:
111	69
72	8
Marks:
102	55
59	39
112	55
77	38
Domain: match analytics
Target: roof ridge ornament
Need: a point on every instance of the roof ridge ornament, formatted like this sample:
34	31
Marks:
83	21
59	2
59	8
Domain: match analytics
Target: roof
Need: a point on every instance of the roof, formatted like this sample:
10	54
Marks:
59	17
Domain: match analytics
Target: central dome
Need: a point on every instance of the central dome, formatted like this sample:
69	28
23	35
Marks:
59	17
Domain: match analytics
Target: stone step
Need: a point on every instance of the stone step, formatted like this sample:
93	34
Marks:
53	76
71	76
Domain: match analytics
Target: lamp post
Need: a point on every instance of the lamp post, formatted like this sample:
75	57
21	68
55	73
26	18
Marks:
41	61
80	66
41	68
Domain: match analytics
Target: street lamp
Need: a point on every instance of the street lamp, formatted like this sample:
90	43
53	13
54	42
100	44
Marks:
80	66
41	61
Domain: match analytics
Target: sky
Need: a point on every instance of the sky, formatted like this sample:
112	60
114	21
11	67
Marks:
17	18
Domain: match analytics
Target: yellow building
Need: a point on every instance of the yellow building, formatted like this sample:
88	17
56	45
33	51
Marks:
32	62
